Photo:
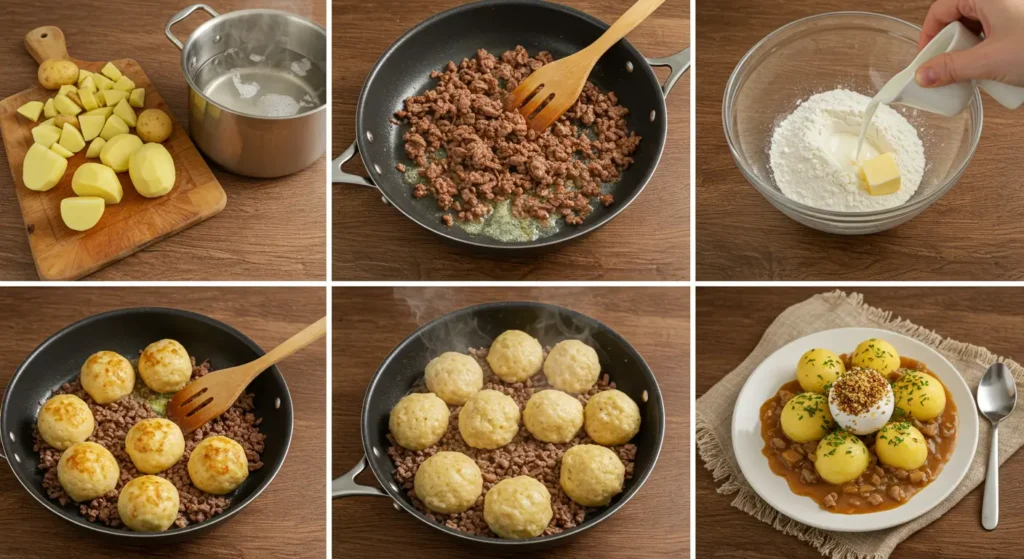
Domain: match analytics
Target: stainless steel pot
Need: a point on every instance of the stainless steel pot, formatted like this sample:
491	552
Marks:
275	124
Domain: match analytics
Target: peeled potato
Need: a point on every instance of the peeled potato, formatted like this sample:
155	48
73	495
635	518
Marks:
31	110
66	106
82	214
112	97
42	168
153	125
55	73
124	84
137	98
88	99
49	111
95	148
93	179
126	112
113	127
61	151
152	170
111	72
46	135
91	125
71	139
117	152
102	82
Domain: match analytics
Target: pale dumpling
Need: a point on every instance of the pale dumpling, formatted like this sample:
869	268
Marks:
107	377
148	504
87	471
418	421
611	418
806	417
817	368
876	354
900	445
218	465
154	445
572	366
841	457
64	420
165	366
448	482
518	508
454	377
553	416
591	474
489	420
515	356
921	395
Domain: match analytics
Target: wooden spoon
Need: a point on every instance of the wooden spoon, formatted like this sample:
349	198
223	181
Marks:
564	78
212	394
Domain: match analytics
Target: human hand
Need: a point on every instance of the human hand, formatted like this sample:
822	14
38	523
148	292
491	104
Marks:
999	57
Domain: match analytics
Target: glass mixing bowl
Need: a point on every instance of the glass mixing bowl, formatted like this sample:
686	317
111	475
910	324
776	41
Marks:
858	51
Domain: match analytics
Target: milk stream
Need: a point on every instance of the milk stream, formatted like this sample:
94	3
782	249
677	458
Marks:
889	93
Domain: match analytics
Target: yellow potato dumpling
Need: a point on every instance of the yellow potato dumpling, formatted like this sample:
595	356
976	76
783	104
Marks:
454	377
65	420
611	418
418	421
165	366
572	366
448	482
218	465
806	418
154	445
876	354
489	420
841	457
552	416
107	377
515	356
817	368
87	471
152	171
921	395
591	475
42	168
148	504
518	508
900	445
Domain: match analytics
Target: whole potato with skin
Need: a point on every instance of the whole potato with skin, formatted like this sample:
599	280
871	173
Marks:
54	73
153	125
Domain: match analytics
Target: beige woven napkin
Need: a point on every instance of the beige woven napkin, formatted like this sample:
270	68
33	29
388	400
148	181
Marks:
823	312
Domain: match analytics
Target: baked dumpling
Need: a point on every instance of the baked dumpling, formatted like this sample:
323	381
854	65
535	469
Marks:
448	482
154	445
165	366
454	377
64	420
489	420
591	474
107	377
572	366
553	416
218	465
611	418
518	507
87	471
148	504
515	356
418	421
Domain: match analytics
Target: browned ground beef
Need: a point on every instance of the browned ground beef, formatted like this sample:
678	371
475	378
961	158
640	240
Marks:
492	155
525	455
112	424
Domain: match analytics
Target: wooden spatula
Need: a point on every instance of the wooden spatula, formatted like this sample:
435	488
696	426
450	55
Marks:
564	79
212	394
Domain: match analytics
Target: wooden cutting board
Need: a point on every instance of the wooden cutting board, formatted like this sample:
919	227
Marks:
63	254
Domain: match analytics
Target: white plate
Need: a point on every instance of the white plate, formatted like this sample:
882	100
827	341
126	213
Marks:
780	368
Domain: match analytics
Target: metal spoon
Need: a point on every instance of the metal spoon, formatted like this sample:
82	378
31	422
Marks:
997	396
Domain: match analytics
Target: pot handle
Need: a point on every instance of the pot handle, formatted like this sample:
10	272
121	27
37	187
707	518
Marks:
337	175
346	486
677	63
182	15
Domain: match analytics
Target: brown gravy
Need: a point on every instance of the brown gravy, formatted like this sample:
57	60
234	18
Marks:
880	487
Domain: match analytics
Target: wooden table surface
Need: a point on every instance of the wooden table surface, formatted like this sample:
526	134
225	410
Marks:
972	233
270	230
648	241
731	321
288	519
370	322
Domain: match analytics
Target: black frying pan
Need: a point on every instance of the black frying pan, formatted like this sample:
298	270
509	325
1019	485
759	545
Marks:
476	327
499	25
126	331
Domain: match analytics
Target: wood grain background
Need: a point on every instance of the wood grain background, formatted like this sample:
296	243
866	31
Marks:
370	322
270	230
730	323
288	519
648	241
972	233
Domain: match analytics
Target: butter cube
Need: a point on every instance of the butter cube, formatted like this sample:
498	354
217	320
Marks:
882	174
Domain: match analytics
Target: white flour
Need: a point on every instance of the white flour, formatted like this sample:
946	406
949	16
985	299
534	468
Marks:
813	149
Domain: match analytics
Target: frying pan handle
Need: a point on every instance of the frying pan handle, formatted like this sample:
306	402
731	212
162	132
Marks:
346	486
337	175
677	63
182	15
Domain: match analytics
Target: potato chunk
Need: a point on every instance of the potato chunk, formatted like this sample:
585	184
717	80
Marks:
61	151
31	110
71	139
88	98
82	74
137	98
152	170
102	82
66	106
126	112
117	152
111	97
42	168
95	148
113	127
49	111
45	135
124	84
88	84
82	214
111	72
91	125
93	179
